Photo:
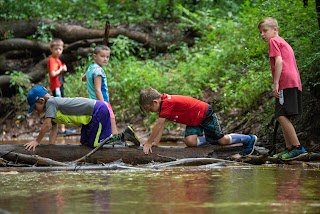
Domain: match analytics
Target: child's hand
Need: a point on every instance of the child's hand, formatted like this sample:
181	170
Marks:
31	145
147	148
64	67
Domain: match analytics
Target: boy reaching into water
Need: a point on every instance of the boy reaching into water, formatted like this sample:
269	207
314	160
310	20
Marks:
97	80
92	115
197	115
287	87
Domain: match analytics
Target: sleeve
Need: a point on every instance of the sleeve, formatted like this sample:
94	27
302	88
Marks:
97	72
274	48
166	109
51	108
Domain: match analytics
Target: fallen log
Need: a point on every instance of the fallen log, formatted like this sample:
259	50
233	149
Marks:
129	155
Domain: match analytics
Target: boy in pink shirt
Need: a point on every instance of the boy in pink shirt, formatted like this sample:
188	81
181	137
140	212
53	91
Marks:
287	87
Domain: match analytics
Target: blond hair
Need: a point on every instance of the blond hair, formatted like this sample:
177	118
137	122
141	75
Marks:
147	96
101	48
56	42
269	21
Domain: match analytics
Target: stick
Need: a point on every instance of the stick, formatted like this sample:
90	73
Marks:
190	161
106	34
273	149
34	159
105	141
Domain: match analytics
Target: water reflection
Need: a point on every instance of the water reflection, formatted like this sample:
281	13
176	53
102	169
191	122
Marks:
179	190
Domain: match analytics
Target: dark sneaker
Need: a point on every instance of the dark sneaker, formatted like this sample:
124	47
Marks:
294	153
248	148
279	155
129	135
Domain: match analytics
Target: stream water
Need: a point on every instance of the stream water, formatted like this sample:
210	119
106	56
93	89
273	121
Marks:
224	189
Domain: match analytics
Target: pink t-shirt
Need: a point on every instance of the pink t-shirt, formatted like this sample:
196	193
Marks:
183	109
290	77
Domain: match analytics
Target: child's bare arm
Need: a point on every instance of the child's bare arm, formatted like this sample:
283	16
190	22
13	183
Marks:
277	74
84	78
155	134
53	134
46	126
97	87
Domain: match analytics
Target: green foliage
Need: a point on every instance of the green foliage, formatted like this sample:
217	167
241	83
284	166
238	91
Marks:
21	82
229	56
43	33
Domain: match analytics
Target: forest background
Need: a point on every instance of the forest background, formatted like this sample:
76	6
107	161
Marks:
226	64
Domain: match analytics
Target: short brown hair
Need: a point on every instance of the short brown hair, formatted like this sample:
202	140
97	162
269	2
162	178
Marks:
147	96
269	21
56	41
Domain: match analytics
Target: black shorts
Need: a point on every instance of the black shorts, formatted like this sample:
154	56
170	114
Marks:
61	92
292	103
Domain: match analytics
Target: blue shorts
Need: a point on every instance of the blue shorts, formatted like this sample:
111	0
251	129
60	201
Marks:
99	127
210	127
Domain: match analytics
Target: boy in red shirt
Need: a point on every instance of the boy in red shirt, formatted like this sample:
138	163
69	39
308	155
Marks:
287	86
197	115
56	69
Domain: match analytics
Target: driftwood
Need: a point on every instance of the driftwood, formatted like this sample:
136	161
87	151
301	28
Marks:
208	163
108	153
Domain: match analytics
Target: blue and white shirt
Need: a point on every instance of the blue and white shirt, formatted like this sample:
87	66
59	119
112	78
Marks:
93	71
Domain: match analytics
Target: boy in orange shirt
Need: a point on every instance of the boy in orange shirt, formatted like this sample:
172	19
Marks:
56	69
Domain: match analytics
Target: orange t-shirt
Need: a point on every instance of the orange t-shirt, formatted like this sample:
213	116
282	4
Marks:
53	65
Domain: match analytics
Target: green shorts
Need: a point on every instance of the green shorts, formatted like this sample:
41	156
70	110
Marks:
210	127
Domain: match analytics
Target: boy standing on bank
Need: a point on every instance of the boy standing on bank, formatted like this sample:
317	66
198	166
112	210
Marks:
287	87
202	123
56	69
92	115
97	80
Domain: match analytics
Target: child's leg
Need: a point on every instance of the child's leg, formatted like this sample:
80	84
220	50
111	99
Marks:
288	131
112	119
193	136
99	127
58	93
235	138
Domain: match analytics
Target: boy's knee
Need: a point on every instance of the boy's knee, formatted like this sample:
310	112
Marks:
225	140
190	141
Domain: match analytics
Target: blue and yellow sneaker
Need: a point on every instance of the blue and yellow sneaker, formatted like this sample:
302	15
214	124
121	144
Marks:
294	153
129	135
248	148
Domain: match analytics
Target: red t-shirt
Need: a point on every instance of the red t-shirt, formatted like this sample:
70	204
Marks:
183	109
290	77
53	65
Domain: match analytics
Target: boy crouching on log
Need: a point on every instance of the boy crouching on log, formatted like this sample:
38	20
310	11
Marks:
197	115
93	115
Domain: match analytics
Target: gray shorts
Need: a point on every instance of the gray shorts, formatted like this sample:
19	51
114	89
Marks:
290	104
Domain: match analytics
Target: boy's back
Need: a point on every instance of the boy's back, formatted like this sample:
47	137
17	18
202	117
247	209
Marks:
290	75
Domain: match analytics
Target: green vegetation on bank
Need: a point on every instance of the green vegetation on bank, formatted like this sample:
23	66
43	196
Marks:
230	57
